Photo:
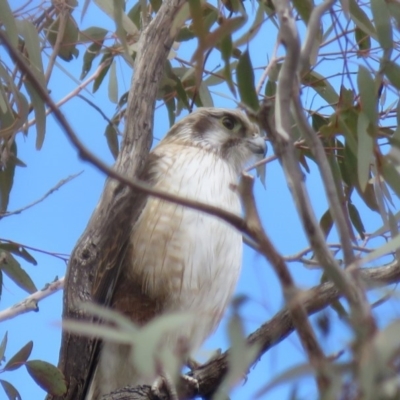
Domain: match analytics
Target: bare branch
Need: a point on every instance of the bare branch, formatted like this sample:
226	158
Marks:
31	302
52	190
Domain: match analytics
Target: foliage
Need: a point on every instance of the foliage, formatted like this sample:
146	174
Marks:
351	74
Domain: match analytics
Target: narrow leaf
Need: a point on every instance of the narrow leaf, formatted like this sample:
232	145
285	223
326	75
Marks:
11	392
11	267
361	19
112	140
7	19
113	84
356	219
7	180
3	347
245	78
205	96
363	41
392	71
18	250
385	249
365	149
366	86
326	222
19	358
381	17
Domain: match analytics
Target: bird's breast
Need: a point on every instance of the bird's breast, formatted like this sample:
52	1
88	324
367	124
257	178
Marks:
188	258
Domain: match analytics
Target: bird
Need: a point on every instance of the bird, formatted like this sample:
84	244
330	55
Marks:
178	259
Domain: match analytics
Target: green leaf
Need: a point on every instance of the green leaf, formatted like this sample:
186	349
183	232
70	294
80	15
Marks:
270	89
19	358
219	77
115	10
392	71
394	11
18	250
170	104
321	85
326	222
205	96
93	34
47	376
11	267
391	176
365	150
90	54
113	84
156	4
112	140
134	14
11	392
254	28
245	80
381	17
363	41
304	8
356	219
40	113
3	347
7	180
107	59
32	43
385	249
196	13
226	52
7	19
67	50
361	19
366	86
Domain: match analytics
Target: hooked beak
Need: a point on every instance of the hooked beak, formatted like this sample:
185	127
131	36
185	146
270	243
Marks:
257	146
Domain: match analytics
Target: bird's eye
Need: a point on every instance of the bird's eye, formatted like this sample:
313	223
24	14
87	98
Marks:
229	123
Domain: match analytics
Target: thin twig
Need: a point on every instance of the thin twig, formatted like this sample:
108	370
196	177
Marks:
100	111
271	64
52	190
61	256
31	302
70	95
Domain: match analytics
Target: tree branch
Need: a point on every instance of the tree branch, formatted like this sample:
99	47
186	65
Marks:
31	302
52	190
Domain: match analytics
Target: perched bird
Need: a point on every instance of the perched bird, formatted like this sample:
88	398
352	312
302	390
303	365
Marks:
179	259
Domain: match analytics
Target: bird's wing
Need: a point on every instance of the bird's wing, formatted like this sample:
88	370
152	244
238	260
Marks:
110	266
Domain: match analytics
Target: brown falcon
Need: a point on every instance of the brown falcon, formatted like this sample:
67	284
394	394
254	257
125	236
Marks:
180	259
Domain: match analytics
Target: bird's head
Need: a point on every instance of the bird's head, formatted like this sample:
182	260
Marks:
225	132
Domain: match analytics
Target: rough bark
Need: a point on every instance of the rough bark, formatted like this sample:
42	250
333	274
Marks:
102	239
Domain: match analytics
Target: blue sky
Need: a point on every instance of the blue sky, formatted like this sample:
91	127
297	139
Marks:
56	224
